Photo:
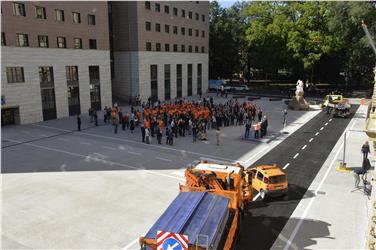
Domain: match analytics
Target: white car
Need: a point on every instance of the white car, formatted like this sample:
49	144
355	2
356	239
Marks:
240	88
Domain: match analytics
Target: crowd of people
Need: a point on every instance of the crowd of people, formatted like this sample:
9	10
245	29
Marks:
183	117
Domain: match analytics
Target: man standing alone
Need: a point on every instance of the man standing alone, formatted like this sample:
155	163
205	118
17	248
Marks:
78	123
365	150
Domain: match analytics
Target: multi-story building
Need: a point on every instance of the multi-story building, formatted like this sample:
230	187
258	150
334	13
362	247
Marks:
160	49
55	59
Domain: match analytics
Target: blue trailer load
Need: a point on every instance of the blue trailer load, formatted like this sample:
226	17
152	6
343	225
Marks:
199	215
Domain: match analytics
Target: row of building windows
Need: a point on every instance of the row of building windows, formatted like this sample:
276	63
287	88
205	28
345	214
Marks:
183	13
23	41
40	13
179	80
174	29
16	74
175	48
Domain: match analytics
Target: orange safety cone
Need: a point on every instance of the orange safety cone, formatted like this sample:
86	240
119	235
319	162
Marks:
362	101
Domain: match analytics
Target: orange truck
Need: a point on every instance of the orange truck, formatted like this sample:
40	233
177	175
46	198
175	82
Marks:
208	209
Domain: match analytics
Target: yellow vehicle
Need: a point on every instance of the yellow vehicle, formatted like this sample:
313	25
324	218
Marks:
268	181
336	106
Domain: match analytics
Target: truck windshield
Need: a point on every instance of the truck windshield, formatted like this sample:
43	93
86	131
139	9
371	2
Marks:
277	179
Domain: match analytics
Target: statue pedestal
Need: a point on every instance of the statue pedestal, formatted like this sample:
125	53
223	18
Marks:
298	103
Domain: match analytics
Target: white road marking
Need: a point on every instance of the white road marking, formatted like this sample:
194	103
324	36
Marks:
255	198
62	139
163	159
326	124
96	159
110	148
133	153
43	126
288	164
253	156
85	143
297	154
155	146
321	128
301	219
179	173
310	140
330	120
304	147
317	133
127	247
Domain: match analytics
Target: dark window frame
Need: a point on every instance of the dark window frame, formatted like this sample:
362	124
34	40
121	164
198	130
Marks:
182	31
62	15
167	9
175	48
74	43
175	11
157	47
147	26
167	28
175	30
15	74
148	46
179	80
25	40
167	81
17	11
3	39
157	27
43	14
182	48
40	41
167	47
91	19
78	14
64	42
154	82
92	43
147	5
157	7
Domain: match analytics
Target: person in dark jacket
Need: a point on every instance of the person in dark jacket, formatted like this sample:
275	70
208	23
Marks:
78	123
143	132
365	150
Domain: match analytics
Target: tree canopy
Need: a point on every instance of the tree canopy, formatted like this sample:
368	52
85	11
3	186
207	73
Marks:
318	40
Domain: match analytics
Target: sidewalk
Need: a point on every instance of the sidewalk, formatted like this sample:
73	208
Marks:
333	214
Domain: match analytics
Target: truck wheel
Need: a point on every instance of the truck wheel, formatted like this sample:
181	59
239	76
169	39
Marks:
262	194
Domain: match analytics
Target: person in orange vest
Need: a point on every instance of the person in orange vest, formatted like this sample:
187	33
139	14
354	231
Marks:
257	129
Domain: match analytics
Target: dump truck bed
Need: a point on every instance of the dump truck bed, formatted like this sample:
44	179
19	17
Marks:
196	214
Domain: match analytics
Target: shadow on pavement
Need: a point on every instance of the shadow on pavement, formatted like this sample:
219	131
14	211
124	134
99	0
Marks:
309	231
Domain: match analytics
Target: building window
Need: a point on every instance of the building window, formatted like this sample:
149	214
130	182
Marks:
46	76
148	46
175	29
15	74
167	79
73	90
197	16
76	17
92	44
190	48
182	48
196	49
147	5
189	32
40	12
182	29
175	10
158	27
167	47
154	82
77	43
199	81
202	33
196	32
95	90
23	40
175	48
43	41
158	47
182	13
72	74
167	28
179	83
3	41
157	7
148	26
59	15
167	9
19	9
189	77
203	18
91	19
202	49
190	14
61	42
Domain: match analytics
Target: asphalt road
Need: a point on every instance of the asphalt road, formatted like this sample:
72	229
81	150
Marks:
302	154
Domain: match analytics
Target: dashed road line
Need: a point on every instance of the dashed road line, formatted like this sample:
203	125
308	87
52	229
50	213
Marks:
304	147
110	148
255	198
297	154
42	126
288	164
310	140
317	133
163	159
321	128
330	120
134	153
326	124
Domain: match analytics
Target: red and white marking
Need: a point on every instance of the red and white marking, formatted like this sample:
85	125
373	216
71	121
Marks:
162	236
